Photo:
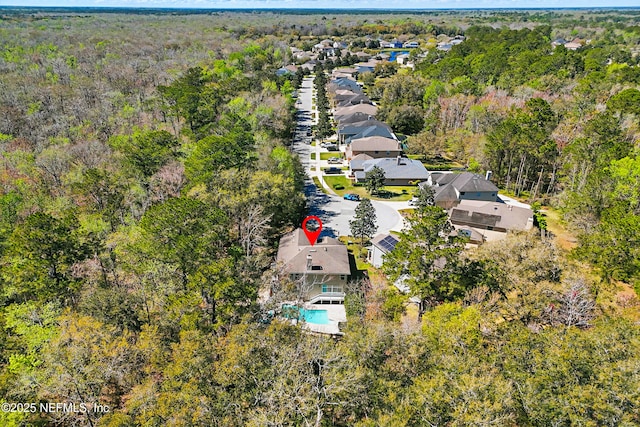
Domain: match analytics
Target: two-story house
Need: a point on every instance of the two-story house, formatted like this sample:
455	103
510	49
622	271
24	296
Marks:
322	269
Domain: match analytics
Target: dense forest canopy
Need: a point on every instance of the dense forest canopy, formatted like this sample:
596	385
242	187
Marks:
146	177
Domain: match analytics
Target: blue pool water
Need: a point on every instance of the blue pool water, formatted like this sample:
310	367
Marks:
318	317
394	54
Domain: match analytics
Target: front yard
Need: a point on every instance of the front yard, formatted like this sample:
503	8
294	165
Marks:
330	154
392	193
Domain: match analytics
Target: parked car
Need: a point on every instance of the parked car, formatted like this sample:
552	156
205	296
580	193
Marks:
334	160
413	201
352	197
308	132
331	147
332	171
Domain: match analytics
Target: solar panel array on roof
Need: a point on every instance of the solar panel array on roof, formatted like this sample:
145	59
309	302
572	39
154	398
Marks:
460	215
388	243
476	218
484	219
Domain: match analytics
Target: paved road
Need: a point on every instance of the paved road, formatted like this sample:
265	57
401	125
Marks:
334	211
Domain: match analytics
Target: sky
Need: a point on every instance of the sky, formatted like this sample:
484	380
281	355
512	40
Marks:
333	4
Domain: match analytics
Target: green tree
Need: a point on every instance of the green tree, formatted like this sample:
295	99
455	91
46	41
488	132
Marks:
426	258
41	255
626	101
425	197
374	180
147	151
104	191
216	152
406	119
184	232
363	225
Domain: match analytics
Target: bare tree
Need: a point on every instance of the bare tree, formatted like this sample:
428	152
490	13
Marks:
253	227
167	182
576	306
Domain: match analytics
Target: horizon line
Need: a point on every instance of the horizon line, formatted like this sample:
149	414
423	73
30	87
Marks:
186	7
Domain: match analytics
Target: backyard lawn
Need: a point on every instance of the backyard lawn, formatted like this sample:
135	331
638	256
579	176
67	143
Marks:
391	193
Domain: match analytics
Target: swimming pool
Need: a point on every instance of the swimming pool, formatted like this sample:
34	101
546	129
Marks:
318	317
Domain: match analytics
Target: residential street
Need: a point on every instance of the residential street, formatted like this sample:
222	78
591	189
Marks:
334	211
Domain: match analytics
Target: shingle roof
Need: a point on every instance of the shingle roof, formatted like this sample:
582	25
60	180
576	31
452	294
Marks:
368	109
357	127
345	83
353	100
396	168
492	214
473	182
448	193
463	182
354	118
358	161
375	130
328	255
375	143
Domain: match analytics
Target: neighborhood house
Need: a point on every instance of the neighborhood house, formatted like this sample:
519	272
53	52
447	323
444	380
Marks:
322	269
397	171
375	147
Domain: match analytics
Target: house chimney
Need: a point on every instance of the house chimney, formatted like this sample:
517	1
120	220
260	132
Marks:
488	175
309	262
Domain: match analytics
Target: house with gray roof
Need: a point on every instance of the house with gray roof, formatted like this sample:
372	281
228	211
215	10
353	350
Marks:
397	171
348	130
323	269
451	188
354	118
357	163
354	100
367	67
344	83
373	130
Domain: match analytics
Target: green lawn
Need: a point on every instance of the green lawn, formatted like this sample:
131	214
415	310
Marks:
313	156
359	253
327	156
391	193
316	181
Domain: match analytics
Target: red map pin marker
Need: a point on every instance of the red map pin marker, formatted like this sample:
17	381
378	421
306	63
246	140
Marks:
312	235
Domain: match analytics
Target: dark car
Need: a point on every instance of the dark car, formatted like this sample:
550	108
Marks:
352	197
330	171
